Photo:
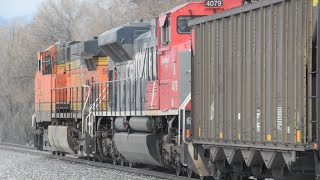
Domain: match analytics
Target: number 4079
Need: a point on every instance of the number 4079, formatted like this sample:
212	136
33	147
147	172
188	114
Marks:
213	3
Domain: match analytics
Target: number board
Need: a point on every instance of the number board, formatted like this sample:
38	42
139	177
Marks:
213	3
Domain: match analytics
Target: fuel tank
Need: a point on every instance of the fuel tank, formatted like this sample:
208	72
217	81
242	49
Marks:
120	124
138	124
138	147
61	140
142	124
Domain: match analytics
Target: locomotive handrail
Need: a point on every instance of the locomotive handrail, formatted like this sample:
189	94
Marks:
183	108
68	87
86	120
103	92
84	107
94	105
117	80
65	101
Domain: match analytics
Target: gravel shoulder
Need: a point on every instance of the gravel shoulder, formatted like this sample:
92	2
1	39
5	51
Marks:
23	166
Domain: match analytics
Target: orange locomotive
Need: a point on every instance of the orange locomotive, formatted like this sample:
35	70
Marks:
124	95
63	69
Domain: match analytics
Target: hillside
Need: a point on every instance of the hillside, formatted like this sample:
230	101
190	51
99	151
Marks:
55	20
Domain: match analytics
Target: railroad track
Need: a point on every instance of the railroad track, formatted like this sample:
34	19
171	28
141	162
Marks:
147	172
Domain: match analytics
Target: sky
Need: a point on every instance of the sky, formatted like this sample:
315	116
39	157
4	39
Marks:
18	8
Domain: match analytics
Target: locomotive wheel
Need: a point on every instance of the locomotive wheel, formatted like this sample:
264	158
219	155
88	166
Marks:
122	162
203	177
190	173
178	169
114	160
131	164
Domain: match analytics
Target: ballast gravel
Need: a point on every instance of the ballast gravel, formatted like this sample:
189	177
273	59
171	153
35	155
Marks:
23	166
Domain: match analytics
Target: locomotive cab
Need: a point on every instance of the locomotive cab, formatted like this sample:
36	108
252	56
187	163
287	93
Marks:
151	68
48	77
174	55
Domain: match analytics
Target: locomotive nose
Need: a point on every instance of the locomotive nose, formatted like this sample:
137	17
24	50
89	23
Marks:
61	140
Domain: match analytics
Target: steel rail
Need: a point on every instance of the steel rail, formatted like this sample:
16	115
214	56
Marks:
146	172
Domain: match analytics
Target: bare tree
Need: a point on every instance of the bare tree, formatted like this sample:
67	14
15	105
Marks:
15	83
55	20
153	8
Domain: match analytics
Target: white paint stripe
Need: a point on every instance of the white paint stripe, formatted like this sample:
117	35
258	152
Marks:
152	98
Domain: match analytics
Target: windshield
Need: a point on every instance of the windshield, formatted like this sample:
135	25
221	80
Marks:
182	24
183	27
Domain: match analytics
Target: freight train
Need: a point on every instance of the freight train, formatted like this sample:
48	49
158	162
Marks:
218	89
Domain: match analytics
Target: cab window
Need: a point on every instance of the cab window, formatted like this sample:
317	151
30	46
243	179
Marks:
39	65
165	33
47	65
182	24
183	27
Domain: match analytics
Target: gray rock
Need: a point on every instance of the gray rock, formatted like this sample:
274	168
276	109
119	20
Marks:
22	166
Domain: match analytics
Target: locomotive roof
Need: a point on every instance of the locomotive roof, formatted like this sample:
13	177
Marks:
180	7
50	47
